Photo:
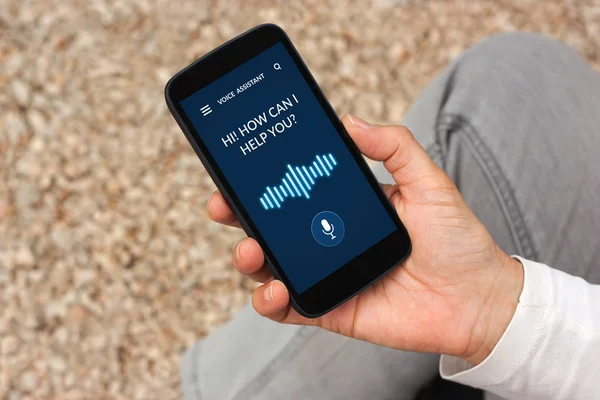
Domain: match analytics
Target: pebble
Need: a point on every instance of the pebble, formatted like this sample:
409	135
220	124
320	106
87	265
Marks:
14	63
61	336
24	257
58	365
85	276
37	121
9	345
15	126
77	314
29	381
21	92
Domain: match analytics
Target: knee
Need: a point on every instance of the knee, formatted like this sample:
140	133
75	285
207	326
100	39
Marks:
520	40
530	64
534	55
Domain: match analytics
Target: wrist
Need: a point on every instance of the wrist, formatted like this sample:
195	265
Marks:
497	309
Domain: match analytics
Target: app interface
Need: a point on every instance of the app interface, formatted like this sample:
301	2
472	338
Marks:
288	165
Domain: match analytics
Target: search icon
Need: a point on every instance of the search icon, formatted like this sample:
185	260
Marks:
276	67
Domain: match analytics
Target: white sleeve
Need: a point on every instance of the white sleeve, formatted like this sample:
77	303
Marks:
551	348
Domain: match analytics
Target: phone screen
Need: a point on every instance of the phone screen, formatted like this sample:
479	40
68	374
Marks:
288	165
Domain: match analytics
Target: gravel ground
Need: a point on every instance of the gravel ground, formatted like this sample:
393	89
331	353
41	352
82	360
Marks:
109	266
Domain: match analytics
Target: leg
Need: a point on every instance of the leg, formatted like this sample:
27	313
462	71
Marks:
254	358
514	123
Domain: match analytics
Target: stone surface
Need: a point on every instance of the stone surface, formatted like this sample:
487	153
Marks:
109	267
8	345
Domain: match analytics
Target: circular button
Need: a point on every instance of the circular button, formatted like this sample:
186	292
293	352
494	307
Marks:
327	228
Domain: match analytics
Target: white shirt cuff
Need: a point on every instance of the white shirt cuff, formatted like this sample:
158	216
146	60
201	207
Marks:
518	341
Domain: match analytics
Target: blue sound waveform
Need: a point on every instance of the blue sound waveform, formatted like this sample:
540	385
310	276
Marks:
298	181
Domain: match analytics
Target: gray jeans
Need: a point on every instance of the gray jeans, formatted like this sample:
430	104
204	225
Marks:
515	122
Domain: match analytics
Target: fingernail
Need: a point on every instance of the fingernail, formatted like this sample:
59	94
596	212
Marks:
238	254
269	292
359	122
210	199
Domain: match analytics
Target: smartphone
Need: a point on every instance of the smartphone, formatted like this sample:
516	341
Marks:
288	169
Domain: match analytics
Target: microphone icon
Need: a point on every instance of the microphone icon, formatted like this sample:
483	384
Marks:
323	230
328	228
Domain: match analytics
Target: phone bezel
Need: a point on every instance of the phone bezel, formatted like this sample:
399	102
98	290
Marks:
347	280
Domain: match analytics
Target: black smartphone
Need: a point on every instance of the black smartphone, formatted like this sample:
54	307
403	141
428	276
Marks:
282	159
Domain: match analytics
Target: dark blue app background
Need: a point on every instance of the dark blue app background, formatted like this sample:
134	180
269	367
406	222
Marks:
276	120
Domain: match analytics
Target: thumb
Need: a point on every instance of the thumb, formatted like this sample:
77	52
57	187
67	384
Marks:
403	157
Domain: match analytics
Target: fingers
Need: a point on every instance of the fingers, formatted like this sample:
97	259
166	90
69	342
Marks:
272	300
389	190
402	155
248	259
219	211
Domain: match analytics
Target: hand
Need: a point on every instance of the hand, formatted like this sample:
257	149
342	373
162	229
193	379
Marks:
455	294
